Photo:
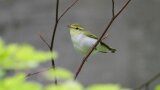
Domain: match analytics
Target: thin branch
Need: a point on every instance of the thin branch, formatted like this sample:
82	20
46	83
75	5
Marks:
105	36
31	74
91	50
125	5
55	26
41	37
113	8
53	35
146	84
58	19
68	9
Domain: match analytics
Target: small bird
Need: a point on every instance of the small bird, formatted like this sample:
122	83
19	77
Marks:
84	40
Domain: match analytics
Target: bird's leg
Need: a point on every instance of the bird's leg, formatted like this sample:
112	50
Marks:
105	36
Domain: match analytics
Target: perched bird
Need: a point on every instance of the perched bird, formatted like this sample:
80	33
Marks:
84	40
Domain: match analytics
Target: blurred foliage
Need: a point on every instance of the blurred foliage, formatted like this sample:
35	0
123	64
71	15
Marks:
68	85
24	56
18	82
20	57
2	73
106	87
59	73
157	87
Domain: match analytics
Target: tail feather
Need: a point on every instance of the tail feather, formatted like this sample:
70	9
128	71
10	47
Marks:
106	48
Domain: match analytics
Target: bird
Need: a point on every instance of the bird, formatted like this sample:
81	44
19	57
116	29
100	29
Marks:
83	40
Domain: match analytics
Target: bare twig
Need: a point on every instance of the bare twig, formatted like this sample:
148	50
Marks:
41	37
68	9
146	84
53	35
105	36
91	50
58	19
55	26
31	74
113	8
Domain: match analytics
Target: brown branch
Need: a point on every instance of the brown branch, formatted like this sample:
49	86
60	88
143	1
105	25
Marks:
41	37
58	19
31	74
146	84
113	8
53	36
91	50
68	9
105	36
55	26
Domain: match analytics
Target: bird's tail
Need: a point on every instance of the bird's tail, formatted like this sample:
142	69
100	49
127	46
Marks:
105	48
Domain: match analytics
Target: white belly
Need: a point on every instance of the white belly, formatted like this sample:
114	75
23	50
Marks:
82	43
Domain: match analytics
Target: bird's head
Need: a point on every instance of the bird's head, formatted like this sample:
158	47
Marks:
76	27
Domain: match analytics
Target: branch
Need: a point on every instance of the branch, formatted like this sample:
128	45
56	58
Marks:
146	84
68	9
58	19
55	26
91	50
41	37
105	36
31	74
113	8
53	36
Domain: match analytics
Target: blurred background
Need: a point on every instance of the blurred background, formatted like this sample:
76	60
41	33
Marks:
135	35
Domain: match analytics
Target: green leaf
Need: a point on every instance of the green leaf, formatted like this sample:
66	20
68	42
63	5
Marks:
59	73
157	87
106	87
28	53
69	85
2	73
73	85
24	56
1	44
18	82
31	86
12	82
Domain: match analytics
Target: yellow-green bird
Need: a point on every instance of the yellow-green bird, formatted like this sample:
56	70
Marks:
84	40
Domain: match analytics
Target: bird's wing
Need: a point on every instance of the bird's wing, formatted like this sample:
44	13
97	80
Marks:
108	47
89	34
